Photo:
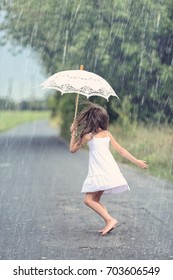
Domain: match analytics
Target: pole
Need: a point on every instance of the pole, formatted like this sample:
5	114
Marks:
77	97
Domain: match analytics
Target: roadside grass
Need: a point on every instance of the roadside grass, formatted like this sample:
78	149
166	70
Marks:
151	143
10	119
55	122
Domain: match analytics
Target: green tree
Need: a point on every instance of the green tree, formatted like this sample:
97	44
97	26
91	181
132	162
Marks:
127	42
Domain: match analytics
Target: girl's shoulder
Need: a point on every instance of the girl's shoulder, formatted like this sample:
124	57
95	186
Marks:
102	134
108	133
87	137
110	136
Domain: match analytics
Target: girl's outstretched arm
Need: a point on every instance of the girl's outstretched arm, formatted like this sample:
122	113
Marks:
124	153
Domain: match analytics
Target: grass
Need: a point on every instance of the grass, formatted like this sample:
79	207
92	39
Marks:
55	122
153	144
9	119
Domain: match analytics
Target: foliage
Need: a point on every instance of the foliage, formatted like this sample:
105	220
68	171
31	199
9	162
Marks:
128	42
6	104
36	105
141	142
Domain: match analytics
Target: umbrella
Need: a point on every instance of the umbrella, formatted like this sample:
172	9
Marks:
80	82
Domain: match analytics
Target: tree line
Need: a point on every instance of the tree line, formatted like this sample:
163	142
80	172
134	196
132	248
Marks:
127	42
23	105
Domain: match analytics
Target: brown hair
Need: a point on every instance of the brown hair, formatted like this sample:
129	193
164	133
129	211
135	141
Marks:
91	119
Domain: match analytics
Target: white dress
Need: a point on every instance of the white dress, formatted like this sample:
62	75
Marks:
104	173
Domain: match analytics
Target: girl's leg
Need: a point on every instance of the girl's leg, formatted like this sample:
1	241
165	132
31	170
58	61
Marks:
97	199
90	201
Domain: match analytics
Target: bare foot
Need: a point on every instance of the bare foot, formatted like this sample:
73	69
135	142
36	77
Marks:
103	229
109	227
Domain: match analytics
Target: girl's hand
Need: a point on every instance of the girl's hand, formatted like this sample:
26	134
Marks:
142	164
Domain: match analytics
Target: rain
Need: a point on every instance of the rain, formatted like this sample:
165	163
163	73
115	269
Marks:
128	43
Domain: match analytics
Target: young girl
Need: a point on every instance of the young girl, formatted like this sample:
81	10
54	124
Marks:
104	176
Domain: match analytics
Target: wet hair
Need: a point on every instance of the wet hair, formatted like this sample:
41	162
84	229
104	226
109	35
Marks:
92	118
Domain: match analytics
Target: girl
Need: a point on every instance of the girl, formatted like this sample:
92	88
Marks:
104	176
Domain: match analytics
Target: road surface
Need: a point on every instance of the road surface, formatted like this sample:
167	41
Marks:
42	215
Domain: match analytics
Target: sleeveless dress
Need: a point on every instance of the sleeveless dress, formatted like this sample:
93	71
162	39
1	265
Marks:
103	173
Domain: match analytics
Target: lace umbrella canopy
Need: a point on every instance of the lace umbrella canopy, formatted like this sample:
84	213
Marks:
80	82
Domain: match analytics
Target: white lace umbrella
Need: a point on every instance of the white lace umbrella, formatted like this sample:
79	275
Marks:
80	82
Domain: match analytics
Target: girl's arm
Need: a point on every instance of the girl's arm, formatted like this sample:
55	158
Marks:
75	145
124	153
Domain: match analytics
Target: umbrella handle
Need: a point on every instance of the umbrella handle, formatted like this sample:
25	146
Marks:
77	101
77	98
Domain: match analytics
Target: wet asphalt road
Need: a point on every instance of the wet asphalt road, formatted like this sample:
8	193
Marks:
42	215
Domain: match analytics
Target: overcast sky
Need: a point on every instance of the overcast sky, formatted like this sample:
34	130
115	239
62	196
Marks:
20	75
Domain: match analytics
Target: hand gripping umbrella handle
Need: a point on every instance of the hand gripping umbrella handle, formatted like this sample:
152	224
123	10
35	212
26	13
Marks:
77	98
